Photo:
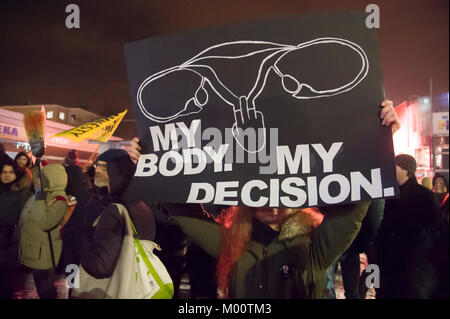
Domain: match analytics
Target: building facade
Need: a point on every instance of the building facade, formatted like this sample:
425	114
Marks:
74	116
14	137
424	133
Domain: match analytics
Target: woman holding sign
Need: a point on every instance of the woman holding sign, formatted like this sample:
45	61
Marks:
275	252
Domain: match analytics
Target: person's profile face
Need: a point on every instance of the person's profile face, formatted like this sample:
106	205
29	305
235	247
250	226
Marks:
101	174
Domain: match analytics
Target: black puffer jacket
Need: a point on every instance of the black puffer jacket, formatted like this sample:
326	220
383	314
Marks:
101	250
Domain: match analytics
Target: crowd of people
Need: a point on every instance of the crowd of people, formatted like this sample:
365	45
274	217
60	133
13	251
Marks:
56	215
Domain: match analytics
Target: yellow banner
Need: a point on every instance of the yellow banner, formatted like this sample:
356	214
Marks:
100	130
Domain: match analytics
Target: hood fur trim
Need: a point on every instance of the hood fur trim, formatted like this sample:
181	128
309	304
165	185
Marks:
300	223
23	182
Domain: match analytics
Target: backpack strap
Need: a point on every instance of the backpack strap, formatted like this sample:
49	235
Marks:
50	242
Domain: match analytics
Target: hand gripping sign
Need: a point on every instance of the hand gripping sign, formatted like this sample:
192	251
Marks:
244	106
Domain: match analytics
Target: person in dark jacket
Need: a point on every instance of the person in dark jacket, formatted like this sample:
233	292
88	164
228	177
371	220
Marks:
77	180
404	220
427	269
15	189
102	248
86	211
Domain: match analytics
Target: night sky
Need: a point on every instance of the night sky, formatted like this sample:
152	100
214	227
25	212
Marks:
43	62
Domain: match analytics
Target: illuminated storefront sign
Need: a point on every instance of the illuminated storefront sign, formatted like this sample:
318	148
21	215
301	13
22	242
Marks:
8	130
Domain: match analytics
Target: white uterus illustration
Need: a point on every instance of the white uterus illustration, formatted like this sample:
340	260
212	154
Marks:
244	107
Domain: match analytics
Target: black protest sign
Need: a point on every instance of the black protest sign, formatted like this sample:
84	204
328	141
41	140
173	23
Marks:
269	113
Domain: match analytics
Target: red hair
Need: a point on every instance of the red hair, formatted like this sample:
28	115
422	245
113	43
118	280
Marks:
237	233
237	222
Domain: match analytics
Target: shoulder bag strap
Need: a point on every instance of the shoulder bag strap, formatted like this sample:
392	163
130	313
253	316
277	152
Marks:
57	198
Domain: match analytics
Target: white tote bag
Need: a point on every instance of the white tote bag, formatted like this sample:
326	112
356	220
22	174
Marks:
139	273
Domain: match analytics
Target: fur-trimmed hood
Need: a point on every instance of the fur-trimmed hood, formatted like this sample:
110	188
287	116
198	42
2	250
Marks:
300	223
23	182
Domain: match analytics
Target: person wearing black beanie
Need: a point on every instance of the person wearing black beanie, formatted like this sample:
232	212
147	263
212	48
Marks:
101	243
119	170
404	219
408	164
85	231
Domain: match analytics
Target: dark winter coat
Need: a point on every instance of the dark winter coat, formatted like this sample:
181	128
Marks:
86	211
12	200
405	219
291	264
101	253
101	247
427	269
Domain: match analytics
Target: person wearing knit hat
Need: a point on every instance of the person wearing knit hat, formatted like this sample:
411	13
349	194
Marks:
406	168
99	241
122	170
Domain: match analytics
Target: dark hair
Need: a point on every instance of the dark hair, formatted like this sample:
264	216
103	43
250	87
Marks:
437	175
408	163
72	157
17	170
22	153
